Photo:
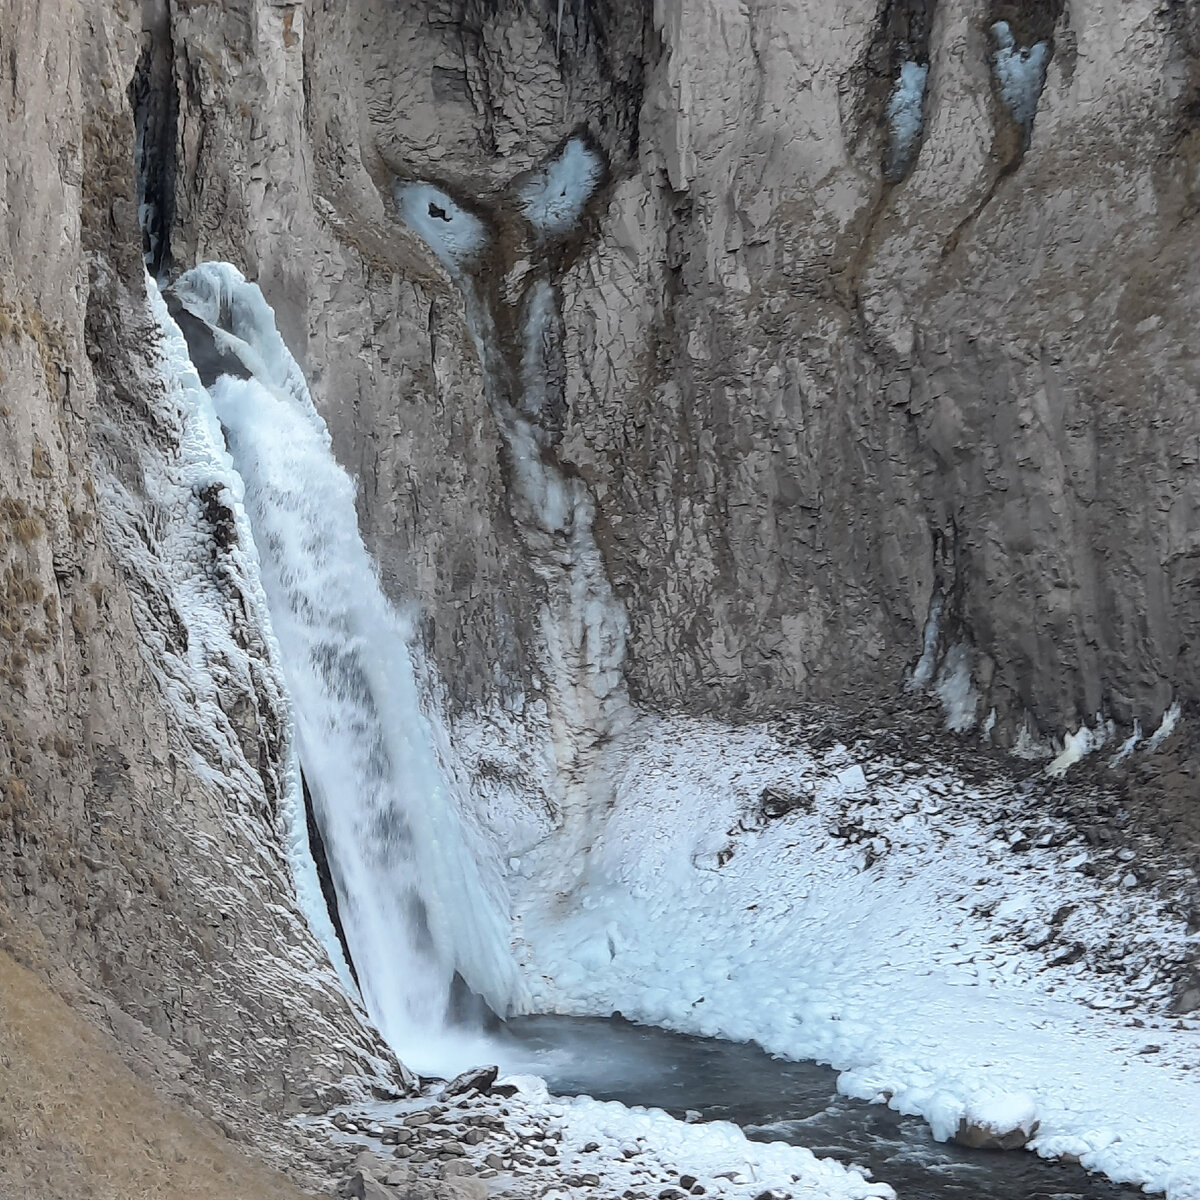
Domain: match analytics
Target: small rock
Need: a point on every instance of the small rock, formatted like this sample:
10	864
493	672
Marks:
413	1120
495	1162
454	1168
1187	1001
403	1136
472	1137
398	1175
591	1148
451	1149
687	1182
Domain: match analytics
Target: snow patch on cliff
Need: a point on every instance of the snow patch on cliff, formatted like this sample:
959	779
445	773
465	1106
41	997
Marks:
1021	74
906	116
453	233
554	197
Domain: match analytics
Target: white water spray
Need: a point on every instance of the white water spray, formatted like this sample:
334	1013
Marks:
415	901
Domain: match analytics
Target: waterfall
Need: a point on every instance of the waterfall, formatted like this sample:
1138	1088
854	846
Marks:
418	893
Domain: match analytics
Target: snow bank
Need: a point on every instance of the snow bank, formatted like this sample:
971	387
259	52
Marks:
938	944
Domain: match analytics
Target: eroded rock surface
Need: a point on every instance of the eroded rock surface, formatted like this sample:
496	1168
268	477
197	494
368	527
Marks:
814	390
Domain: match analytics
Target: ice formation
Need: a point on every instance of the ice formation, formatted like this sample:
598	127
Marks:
553	198
1021	73
415	895
1078	744
905	115
453	233
582	623
890	930
1166	727
230	644
955	691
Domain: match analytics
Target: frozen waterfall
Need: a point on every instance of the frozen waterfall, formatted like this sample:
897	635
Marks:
416	895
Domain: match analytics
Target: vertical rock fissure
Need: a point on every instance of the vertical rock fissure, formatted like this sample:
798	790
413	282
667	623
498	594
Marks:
316	845
514	310
155	107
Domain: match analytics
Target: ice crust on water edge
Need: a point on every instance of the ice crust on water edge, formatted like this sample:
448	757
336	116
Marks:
553	198
1021	73
873	957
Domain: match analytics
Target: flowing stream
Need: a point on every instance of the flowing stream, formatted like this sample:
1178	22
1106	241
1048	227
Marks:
773	1099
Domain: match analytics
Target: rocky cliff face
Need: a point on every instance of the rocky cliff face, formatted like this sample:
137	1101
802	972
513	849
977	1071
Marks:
870	361
843	345
141	861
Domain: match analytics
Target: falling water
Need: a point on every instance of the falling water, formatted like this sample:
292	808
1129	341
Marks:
416	896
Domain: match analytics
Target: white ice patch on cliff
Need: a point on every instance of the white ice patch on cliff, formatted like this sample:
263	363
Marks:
453	233
927	663
1020	72
1075	747
955	690
1165	729
554	197
905	114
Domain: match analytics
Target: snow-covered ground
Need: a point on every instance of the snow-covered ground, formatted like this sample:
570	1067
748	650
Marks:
953	950
532	1144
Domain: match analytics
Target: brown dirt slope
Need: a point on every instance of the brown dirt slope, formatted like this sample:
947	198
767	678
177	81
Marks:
76	1122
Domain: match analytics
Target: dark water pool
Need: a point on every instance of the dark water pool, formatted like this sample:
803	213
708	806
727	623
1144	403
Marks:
774	1100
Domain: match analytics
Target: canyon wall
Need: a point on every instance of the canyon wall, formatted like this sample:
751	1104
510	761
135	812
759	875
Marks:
817	387
143	762
881	314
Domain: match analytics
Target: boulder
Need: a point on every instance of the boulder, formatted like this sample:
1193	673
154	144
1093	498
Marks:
362	1185
478	1079
978	1136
